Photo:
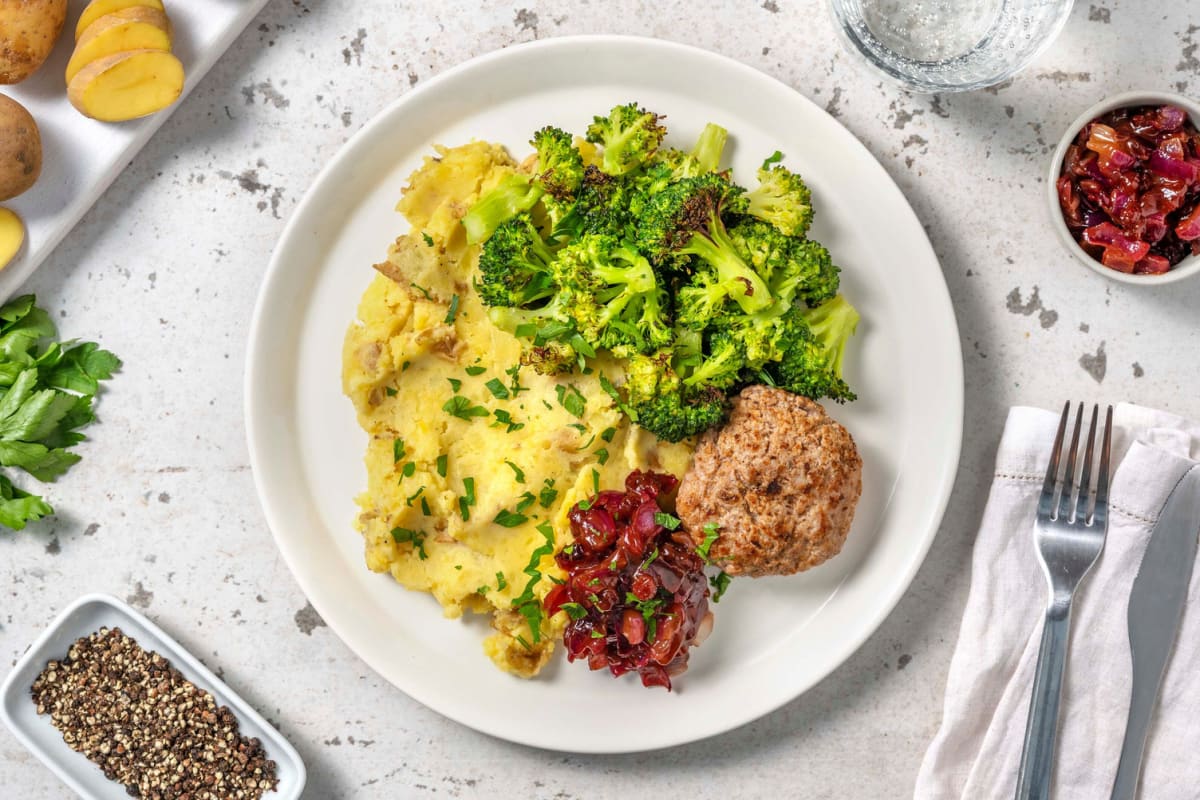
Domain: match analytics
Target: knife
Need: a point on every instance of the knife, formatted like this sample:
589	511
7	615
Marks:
1156	605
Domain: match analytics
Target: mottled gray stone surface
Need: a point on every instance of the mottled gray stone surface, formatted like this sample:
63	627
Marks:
165	269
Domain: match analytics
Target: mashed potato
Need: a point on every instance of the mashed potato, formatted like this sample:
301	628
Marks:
453	445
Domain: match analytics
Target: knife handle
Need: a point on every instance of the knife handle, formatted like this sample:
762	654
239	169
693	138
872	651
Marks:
1041	731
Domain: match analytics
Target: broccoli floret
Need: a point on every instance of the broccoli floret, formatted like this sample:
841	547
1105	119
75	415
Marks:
551	358
514	265
559	164
722	367
709	147
685	219
630	136
658	401
511	196
813	347
782	199
792	267
615	300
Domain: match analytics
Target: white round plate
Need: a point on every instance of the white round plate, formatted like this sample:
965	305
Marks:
774	638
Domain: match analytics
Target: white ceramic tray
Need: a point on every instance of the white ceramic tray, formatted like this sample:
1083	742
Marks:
80	156
82	618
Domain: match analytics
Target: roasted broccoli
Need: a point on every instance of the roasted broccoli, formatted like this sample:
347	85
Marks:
814	348
514	265
511	196
615	298
685	219
782	199
630	135
794	268
657	400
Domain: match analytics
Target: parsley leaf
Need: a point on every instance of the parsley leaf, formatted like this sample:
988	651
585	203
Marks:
607	434
508	519
468	499
602	455
667	521
574	610
501	584
720	582
415	538
421	289
525	502
497	388
441	465
527	604
455	384
428	239
453	312
476	370
548	494
570	398
518	473
712	531
774	158
398	451
459	406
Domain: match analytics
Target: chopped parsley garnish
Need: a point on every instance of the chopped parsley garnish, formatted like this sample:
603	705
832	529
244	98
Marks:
421	289
574	610
597	634
570	398
409	469
518	473
412	498
453	312
711	532
476	370
505	418
607	434
548	494
648	609
774	158
588	443
483	590
525	502
425	507
585	504
514	372
415	538
595	481
527	604
468	499
398	451
497	388
521	641
720	582
455	384
404	366
666	520
428	239
612	392
459	406
458	567
507	519
501	584
579	426
650	558
602	455
441	465
391	392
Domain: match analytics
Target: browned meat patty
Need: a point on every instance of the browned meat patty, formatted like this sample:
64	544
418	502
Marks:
781	479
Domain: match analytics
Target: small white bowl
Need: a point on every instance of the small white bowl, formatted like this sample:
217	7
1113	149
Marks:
82	618
1184	269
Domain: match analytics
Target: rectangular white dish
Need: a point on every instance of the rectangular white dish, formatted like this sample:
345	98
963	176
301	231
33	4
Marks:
82	618
80	156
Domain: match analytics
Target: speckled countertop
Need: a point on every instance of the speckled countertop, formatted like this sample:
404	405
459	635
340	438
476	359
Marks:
165	269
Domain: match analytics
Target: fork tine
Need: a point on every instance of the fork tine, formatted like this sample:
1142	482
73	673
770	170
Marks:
1068	485
1046	502
1085	477
1100	515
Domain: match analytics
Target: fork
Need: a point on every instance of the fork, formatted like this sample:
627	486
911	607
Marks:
1069	541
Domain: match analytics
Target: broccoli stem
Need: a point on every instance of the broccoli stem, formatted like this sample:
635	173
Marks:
740	281
832	324
510	197
709	147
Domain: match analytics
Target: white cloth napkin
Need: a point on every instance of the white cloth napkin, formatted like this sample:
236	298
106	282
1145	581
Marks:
976	753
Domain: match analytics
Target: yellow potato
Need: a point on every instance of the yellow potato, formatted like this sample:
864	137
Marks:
135	28
102	8
12	234
127	85
28	30
20	149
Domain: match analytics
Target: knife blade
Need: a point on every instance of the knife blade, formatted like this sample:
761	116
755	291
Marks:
1156	604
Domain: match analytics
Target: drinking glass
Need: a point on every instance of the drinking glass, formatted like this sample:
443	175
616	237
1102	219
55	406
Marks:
949	45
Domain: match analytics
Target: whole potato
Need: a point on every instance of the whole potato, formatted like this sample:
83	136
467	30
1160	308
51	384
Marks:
20	149
28	31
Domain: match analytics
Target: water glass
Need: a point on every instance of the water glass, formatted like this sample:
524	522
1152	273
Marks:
949	45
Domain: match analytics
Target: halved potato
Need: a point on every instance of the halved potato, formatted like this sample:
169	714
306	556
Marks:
127	85
12	234
100	8
134	28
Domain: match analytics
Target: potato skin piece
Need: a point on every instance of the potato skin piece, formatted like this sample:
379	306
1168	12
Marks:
20	149
127	86
28	31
